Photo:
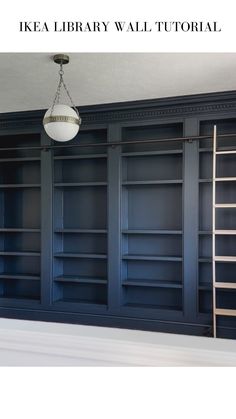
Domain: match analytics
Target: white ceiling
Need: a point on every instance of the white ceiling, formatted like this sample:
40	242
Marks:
28	81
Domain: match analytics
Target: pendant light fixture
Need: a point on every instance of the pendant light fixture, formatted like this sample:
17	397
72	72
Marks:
61	122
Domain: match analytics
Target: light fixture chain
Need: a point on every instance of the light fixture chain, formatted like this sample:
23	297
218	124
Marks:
69	96
58	93
56	99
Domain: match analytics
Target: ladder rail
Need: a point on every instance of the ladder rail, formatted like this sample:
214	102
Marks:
214	230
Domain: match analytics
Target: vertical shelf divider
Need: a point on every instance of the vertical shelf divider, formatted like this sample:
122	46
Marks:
190	221
114	216
46	222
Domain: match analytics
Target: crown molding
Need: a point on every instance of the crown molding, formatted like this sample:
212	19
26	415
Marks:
173	107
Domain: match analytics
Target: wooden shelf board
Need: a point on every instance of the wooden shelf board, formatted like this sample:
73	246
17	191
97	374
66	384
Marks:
225	179
205	232
225	285
81	156
20	230
143	231
78	184
205	150
152	182
7	275
20	253
221	150
225	232
151	153
153	307
19	185
225	205
225	258
80	301
19	159
79	230
10	299
82	280
205	260
152	257
209	180
80	255
226	152
151	283
225	312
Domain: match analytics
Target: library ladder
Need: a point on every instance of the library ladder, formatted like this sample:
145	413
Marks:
215	258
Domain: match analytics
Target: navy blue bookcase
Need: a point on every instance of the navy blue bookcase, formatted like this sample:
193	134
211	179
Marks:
117	232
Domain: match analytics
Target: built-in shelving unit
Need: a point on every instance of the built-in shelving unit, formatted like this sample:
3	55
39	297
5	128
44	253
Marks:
152	179
225	220
20	220
115	227
80	224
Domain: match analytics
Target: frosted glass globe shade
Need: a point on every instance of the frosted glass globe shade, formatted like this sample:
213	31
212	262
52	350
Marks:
62	124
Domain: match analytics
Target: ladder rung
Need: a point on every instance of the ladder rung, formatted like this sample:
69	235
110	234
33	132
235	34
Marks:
226	232
225	258
226	285
225	205
226	152
225	179
225	312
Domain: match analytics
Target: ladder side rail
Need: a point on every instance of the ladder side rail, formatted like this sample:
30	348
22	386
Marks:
214	229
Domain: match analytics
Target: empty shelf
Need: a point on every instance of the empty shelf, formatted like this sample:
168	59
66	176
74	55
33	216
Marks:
19	230
20	185
226	152
80	230
78	184
82	279
151	153
153	307
152	283
81	156
225	312
152	231
7	275
225	258
149	257
19	253
226	285
151	182
80	255
19	159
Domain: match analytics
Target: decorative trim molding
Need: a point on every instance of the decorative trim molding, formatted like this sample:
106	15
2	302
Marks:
181	111
174	107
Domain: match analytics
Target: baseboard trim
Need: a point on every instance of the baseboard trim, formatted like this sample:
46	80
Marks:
196	329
